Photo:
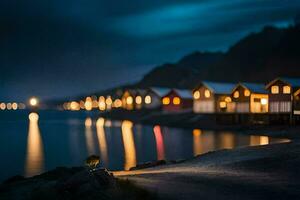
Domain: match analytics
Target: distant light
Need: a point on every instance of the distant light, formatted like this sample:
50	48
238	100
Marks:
14	106
207	93
2	106
88	104
117	103
74	105
108	101
247	93
228	99
264	101
236	94
148	99
8	106
129	100
33	117
88	122
33	101
196	94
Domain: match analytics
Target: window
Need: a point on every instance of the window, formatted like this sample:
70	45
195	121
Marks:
223	104
197	94
176	100
264	101
148	99
166	101
236	94
138	100
286	89
207	93
228	99
275	89
129	100
246	93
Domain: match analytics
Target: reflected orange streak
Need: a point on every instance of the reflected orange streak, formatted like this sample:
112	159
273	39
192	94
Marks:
102	139
89	136
35	150
198	148
129	147
159	143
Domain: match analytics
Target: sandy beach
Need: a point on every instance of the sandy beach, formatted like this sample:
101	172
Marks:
260	172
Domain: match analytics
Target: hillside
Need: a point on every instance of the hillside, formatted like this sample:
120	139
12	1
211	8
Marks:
258	57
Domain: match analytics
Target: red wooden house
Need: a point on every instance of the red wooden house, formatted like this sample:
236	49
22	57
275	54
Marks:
177	100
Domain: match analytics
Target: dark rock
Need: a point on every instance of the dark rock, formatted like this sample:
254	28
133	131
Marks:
14	179
148	165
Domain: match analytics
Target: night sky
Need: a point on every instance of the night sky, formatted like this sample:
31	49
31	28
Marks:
58	48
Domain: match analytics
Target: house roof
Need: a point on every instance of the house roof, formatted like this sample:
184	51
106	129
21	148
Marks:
294	82
141	92
219	88
160	91
186	94
255	87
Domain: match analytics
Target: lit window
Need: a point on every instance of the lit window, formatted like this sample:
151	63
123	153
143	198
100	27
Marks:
223	104
274	89
228	99
236	94
176	100
148	99
207	93
197	94
286	89
166	101
129	100
246	93
138	99
264	101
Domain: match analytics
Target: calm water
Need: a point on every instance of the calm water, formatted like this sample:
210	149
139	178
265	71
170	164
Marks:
31	146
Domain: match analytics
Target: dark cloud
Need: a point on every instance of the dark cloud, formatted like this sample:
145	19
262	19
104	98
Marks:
53	48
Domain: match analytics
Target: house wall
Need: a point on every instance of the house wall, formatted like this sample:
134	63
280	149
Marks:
230	106
204	104
279	103
242	102
255	103
184	103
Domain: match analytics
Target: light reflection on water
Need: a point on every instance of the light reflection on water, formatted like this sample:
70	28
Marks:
120	144
35	150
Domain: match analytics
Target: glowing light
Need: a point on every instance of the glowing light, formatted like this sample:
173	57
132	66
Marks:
35	151
108	101
228	99
14	106
74	105
138	100
166	101
81	104
2	106
196	94
148	99
207	93
176	100
275	89
197	146
223	104
236	94
129	100
129	146
33	101
88	104
159	143
33	117
118	103
286	89
89	136
8	106
264	101
88	122
102	139
246	93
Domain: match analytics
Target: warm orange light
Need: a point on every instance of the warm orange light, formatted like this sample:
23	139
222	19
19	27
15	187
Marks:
88	104
207	93
196	94
74	105
129	100
264	101
223	104
166	101
246	93
33	101
88	122
14	106
286	89
236	94
176	100
2	106
275	89
228	99
148	99
8	106
118	103
138	100
108	101
33	117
